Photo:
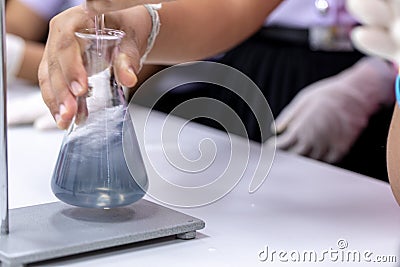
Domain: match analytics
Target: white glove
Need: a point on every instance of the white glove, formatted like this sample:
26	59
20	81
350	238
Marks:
325	118
30	110
28	107
381	33
15	55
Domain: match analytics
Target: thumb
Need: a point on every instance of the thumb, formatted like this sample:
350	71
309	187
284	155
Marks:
125	69
289	113
127	58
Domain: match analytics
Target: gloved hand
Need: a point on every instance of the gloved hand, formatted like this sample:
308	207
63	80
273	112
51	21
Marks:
30	110
15	55
324	119
381	33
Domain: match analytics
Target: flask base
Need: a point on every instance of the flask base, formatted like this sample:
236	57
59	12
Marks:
100	198
56	230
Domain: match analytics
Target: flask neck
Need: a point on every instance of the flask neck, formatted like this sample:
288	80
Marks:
103	92
98	48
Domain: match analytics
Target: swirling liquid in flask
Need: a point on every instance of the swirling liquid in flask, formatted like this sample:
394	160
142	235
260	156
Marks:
91	170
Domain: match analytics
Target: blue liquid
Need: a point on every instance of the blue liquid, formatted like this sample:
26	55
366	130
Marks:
91	170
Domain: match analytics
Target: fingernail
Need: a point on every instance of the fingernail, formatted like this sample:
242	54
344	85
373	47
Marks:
62	110
76	88
131	71
133	74
57	117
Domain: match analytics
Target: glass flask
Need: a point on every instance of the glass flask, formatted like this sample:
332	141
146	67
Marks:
91	170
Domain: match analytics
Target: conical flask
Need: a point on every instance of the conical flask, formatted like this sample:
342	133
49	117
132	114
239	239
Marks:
91	170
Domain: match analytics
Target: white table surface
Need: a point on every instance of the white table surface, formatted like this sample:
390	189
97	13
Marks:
303	205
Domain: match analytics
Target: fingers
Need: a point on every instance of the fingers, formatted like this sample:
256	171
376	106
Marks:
289	113
381	35
64	51
395	32
295	139
46	89
286	140
332	156
302	133
62	76
375	41
64	106
56	93
293	142
371	12
395	7
300	149
286	126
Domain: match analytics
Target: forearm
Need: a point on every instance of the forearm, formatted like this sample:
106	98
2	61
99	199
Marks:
196	29
393	154
32	55
371	81
24	22
190	29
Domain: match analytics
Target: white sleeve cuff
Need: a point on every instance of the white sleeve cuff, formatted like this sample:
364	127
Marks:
15	46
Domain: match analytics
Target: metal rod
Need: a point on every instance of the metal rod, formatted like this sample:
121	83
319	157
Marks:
3	126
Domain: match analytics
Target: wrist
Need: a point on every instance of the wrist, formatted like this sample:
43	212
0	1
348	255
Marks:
152	9
375	78
146	26
136	22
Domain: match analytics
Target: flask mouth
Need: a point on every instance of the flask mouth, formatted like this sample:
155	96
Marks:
98	47
102	34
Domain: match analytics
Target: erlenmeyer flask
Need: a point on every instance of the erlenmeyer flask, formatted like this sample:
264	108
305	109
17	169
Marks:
91	170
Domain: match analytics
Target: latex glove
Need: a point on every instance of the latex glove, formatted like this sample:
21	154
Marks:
325	118
381	33
30	110
15	55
